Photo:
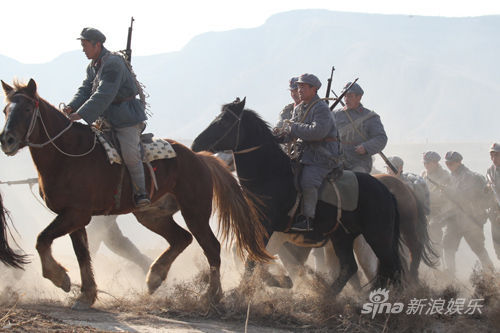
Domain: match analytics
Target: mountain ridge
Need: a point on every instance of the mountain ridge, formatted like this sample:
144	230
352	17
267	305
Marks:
423	75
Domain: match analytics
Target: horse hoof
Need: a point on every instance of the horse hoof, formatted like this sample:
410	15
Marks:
215	297
153	281
287	282
66	284
80	306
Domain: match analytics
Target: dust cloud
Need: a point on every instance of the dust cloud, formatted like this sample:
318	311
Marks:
122	284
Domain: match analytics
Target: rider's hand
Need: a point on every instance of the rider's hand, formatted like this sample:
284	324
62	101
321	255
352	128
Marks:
68	110
360	150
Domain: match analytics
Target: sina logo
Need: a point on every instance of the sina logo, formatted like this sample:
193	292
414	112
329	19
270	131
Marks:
378	303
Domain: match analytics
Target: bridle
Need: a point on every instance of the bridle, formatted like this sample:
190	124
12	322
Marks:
236	123
36	115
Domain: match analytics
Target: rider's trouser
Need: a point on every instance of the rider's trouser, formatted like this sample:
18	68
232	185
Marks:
129	138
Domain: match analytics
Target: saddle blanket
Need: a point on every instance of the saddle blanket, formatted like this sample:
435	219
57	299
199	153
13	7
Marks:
154	149
348	188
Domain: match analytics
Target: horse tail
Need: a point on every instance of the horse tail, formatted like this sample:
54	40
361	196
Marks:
7	255
238	215
429	255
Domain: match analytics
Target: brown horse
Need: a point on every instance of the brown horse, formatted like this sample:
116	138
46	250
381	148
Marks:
76	181
7	255
414	230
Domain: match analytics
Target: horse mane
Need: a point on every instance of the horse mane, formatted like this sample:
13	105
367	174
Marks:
19	86
260	127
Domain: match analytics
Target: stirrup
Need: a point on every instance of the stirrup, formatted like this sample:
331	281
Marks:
303	224
141	200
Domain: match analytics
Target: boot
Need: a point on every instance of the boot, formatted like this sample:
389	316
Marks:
302	224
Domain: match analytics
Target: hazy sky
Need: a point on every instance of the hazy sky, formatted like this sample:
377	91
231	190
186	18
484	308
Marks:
37	31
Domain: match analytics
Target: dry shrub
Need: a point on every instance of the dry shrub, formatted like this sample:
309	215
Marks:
310	307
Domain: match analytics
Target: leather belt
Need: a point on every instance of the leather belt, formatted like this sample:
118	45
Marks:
118	101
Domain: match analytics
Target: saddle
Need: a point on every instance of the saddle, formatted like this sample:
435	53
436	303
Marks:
341	191
347	188
151	148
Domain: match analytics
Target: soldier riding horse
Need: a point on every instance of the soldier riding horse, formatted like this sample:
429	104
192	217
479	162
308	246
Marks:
76	181
266	171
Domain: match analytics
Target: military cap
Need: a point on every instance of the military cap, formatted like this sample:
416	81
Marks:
355	89
431	156
310	79
292	84
453	156
495	147
92	34
396	161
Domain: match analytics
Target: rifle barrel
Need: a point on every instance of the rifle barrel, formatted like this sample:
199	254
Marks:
339	98
453	201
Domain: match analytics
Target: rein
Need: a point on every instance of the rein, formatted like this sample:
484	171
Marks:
34	117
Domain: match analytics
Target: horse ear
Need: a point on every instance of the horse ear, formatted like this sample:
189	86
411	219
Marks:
32	87
6	88
240	104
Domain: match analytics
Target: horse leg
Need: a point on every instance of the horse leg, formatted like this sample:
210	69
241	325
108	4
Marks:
64	223
415	249
177	237
387	252
343	246
366	257
200	228
89	288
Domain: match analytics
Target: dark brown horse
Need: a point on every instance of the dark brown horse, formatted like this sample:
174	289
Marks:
7	255
76	181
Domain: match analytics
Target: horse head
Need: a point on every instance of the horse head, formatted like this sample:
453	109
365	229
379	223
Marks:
20	115
224	132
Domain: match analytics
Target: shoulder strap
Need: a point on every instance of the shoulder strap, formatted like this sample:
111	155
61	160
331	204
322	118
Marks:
356	123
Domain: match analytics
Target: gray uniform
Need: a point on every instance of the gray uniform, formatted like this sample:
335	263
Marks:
319	146
373	139
494	209
285	114
441	209
110	90
469	191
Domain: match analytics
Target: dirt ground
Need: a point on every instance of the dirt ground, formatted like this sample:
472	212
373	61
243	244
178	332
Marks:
305	308
60	318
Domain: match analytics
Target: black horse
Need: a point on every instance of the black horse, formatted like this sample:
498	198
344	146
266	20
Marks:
266	171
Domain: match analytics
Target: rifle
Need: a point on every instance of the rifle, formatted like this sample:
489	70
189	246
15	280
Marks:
128	50
453	201
493	188
334	94
339	100
329	86
29	181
